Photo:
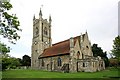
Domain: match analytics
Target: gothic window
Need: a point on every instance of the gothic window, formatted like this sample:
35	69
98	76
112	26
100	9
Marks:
59	61
78	54
45	31
47	66
83	64
42	62
37	30
93	64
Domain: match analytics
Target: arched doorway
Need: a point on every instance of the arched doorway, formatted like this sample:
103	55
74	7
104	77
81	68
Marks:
78	57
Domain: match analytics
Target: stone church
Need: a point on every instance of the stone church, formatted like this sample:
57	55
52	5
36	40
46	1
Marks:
71	55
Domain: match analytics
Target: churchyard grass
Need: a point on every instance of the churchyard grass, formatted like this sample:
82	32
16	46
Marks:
20	73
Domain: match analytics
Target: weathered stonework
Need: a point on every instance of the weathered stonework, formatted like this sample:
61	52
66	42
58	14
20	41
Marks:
72	55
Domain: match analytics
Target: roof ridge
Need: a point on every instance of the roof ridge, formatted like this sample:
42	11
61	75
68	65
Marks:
60	42
64	41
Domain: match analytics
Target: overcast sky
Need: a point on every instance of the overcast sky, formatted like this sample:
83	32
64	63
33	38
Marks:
70	18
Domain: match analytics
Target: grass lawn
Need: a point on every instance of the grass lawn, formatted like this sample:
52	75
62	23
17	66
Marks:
45	74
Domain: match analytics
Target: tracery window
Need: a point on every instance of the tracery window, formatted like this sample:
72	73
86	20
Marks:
83	64
59	61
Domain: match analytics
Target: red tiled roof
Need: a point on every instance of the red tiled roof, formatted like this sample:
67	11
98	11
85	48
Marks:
58	48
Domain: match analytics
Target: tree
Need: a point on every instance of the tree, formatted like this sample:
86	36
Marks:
26	60
113	62
20	60
97	51
14	62
4	49
116	48
9	27
5	63
10	63
9	24
3	54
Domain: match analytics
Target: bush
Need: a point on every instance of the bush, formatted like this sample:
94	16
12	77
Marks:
10	63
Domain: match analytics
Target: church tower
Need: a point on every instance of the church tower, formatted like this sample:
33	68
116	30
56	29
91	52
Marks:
41	38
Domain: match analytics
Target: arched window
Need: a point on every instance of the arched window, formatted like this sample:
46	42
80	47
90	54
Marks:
83	64
45	31
37	30
78	54
59	61
93	64
42	62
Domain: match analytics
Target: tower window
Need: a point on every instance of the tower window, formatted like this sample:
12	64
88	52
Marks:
37	30
45	31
